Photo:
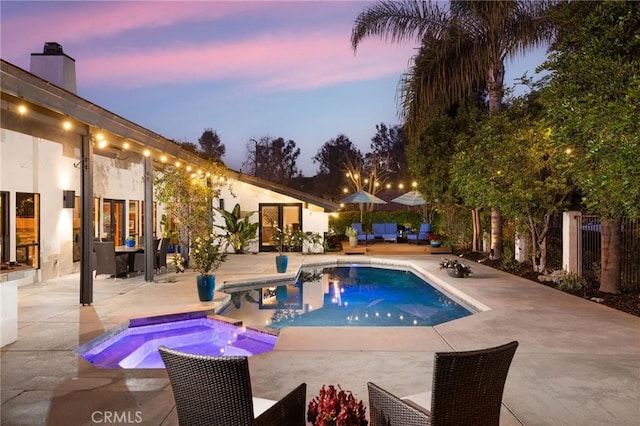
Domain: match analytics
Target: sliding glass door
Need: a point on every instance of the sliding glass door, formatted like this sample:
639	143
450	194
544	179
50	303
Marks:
278	215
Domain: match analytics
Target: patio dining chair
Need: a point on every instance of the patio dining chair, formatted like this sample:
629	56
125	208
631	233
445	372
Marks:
467	390
212	390
106	261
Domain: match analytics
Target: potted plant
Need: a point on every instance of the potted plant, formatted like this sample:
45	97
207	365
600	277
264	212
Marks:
352	234
434	240
207	254
239	230
455	268
130	241
286	240
336	407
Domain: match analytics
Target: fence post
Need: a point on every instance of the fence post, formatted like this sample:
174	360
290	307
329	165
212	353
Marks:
571	242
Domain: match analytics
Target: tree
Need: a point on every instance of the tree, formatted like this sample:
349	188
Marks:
332	158
431	155
461	47
388	147
509	161
188	198
272	159
211	146
592	100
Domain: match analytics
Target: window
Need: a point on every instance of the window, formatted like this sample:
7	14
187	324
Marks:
96	217
153	224
113	221
77	223
28	229
134	218
4	226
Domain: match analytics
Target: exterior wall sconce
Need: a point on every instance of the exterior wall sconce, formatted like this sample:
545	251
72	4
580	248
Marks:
68	199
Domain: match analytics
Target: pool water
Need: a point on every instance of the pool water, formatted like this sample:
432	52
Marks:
137	345
351	296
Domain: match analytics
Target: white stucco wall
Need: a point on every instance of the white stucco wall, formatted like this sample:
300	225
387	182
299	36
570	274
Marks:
35	165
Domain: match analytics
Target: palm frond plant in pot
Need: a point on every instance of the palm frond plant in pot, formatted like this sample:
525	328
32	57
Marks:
239	229
455	268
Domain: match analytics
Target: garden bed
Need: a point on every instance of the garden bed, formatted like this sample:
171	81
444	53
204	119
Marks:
627	302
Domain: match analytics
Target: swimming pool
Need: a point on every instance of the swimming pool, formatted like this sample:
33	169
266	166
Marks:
351	296
136	345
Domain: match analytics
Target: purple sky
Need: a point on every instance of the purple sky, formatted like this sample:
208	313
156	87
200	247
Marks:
245	69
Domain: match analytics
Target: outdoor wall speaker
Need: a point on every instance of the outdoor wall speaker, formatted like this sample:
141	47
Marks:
68	199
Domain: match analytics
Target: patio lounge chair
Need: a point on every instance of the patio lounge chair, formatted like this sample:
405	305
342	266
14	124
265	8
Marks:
211	390
422	236
467	390
362	236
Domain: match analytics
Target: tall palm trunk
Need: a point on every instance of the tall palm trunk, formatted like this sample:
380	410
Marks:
495	85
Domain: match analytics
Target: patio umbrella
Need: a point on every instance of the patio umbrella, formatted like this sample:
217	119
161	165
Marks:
411	198
362	197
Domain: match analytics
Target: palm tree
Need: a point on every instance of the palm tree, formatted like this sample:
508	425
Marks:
463	47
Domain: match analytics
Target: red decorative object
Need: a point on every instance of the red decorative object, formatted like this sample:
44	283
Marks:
336	408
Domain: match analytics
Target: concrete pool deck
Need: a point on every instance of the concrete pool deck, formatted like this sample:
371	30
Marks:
578	362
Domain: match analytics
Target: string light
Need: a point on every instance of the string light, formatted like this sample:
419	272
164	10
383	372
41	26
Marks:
146	153
66	124
22	109
126	145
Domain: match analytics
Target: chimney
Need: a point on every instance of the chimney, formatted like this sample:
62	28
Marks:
54	66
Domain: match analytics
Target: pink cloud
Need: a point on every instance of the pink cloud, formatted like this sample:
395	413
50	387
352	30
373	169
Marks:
284	60
85	21
270	62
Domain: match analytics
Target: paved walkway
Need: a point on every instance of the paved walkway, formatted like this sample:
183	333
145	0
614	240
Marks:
578	362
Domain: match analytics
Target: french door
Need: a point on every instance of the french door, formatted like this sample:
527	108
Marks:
113	220
278	215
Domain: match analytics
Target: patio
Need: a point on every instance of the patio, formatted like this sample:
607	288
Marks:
578	362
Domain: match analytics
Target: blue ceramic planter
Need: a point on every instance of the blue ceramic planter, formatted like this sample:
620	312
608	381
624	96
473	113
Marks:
206	285
130	243
281	263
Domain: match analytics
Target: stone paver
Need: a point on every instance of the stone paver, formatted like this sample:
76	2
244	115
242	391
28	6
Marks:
578	362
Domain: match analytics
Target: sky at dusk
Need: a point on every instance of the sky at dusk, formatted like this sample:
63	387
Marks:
245	69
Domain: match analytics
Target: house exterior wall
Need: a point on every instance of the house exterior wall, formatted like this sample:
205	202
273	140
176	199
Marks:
314	219
37	165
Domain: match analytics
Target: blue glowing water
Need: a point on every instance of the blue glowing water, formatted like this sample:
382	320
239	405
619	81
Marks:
137	347
353	296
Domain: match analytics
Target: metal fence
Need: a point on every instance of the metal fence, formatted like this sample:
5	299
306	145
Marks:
629	251
554	242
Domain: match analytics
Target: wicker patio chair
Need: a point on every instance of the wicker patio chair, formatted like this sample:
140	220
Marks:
467	390
106	260
211	390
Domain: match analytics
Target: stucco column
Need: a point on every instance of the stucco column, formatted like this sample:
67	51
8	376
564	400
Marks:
572	242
